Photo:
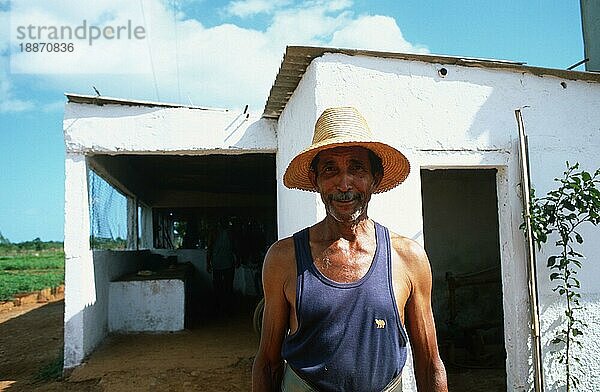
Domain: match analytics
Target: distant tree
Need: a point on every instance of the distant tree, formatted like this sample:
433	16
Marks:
4	240
37	243
101	243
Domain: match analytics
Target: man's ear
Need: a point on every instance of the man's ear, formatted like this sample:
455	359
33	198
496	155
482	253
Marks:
377	180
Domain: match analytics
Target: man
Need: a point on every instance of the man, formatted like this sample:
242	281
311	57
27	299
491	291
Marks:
339	293
220	260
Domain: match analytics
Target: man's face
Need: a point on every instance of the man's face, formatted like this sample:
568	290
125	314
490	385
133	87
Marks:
343	178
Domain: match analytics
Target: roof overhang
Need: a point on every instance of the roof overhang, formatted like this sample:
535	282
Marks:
297	58
101	101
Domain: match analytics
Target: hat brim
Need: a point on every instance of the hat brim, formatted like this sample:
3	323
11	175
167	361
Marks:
395	165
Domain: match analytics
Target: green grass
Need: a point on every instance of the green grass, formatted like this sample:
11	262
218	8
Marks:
52	370
30	271
45	260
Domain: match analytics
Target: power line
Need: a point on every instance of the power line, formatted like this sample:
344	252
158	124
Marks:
176	51
150	51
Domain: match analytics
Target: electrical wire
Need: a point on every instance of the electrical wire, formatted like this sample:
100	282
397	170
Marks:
176	50
150	51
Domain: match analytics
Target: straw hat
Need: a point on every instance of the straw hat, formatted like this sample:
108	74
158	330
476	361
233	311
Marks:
345	126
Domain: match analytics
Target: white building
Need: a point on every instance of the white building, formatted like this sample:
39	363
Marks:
455	120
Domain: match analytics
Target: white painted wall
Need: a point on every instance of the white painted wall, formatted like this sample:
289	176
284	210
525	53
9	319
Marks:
107	266
78	258
296	209
465	119
120	129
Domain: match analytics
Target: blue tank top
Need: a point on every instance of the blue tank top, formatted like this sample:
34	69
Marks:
349	337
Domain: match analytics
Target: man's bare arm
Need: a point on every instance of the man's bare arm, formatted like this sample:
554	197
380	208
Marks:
429	369
268	364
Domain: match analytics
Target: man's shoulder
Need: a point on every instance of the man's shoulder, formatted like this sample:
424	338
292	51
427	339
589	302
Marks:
280	256
281	247
408	249
412	259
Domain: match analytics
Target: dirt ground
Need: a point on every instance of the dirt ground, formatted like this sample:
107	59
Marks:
215	355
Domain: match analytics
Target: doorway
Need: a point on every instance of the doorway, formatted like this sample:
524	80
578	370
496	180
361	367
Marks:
461	234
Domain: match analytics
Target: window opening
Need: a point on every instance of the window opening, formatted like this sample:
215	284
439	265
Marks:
108	214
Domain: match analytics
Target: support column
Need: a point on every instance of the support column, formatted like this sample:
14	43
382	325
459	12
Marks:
132	223
147	237
79	268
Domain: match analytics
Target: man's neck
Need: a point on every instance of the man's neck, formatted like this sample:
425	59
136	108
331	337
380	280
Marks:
350	231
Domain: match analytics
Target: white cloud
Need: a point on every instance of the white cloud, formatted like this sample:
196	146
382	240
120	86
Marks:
8	101
12	105
246	8
375	32
305	26
88	56
53	106
337	5
224	65
4	30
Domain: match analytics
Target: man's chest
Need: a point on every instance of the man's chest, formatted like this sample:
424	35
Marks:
343	264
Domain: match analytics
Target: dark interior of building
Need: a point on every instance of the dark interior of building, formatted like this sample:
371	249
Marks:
461	233
181	201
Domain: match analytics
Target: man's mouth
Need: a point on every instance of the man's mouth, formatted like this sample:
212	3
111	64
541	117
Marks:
345	197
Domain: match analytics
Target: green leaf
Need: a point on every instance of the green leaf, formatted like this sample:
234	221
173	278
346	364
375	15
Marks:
551	261
575	280
586	176
554	276
574	253
542	238
578	238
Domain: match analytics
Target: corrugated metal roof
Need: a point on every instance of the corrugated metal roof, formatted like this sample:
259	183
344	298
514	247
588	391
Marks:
297	59
101	100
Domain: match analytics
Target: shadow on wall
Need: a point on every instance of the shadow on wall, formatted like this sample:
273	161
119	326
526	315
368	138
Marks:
555	373
88	327
255	135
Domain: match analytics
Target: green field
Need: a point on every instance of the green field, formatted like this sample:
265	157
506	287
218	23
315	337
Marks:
30	270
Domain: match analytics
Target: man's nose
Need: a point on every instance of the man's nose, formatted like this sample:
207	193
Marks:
345	181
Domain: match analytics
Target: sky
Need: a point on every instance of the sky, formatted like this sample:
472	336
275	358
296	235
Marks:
219	54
